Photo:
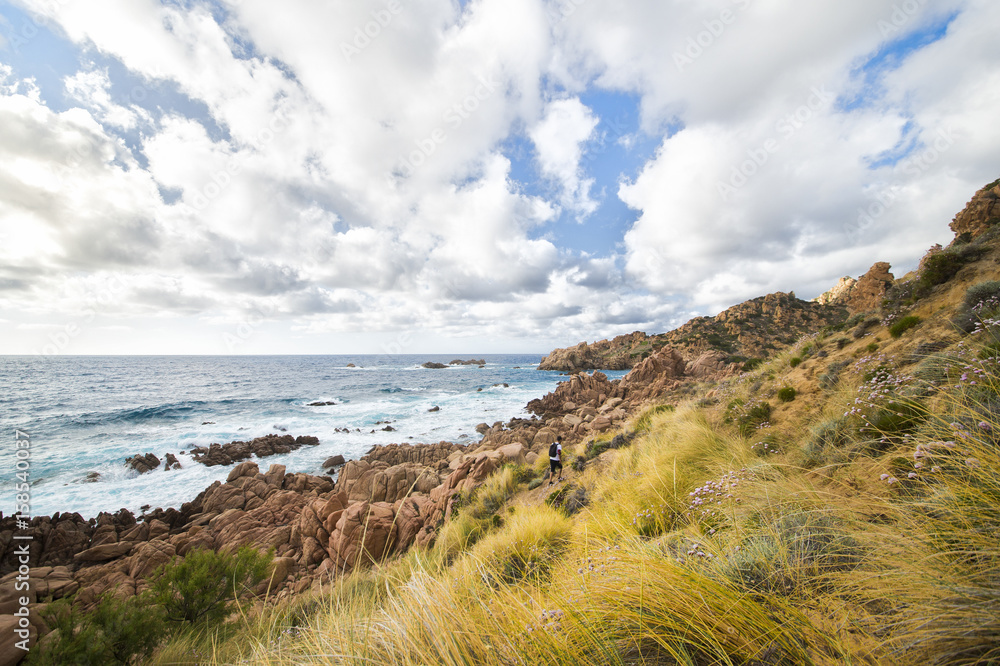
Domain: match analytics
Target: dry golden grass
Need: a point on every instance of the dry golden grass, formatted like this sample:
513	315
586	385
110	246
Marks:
696	547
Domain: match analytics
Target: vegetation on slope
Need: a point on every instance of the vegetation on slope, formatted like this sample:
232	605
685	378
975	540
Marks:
855	523
858	525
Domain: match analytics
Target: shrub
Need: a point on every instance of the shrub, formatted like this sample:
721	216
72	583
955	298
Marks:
795	361
903	325
872	347
983	291
942	266
865	326
786	394
598	447
200	588
752	364
747	416
116	632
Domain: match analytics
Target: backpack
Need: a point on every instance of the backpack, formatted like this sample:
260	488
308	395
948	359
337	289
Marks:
554	450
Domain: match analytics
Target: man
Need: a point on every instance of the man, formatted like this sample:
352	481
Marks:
555	459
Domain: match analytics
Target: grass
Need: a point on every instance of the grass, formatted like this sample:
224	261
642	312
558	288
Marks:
868	534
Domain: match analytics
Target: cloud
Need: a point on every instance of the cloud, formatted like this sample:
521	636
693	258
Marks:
559	139
345	167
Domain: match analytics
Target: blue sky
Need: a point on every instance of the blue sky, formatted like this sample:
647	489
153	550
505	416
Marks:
489	175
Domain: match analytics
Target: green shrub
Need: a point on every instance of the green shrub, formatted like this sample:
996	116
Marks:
903	325
872	347
752	364
619	441
898	417
200	588
115	632
942	266
747	416
795	361
786	394
982	291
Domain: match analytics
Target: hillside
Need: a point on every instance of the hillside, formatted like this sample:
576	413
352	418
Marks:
833	503
753	329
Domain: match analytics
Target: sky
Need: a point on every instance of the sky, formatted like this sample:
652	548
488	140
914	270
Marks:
477	176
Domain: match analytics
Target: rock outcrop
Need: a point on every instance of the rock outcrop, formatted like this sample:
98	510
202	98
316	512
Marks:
268	445
752	329
870	290
143	464
980	214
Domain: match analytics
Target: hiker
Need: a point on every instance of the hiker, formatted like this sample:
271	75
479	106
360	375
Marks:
555	459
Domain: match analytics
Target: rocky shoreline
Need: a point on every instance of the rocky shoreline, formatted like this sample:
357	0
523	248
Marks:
391	499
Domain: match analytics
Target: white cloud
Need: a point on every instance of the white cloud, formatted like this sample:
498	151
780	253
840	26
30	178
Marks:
344	181
559	138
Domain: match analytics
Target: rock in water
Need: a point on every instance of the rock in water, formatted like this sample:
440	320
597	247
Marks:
143	464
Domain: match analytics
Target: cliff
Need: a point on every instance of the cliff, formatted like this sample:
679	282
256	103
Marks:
752	329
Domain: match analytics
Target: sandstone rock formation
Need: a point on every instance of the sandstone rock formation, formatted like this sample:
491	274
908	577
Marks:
981	213
870	290
752	329
839	292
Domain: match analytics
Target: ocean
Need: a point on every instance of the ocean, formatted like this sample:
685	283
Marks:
87	414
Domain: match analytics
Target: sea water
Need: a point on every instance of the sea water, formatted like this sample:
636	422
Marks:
87	414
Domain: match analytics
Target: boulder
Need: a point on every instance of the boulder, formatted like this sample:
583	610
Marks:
143	464
334	461
241	470
103	553
981	213
870	290
512	452
365	534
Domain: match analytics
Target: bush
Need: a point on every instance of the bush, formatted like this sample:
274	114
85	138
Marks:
865	326
795	361
942	266
982	291
903	325
786	394
747	416
200	588
116	632
598	447
752	364
872	347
